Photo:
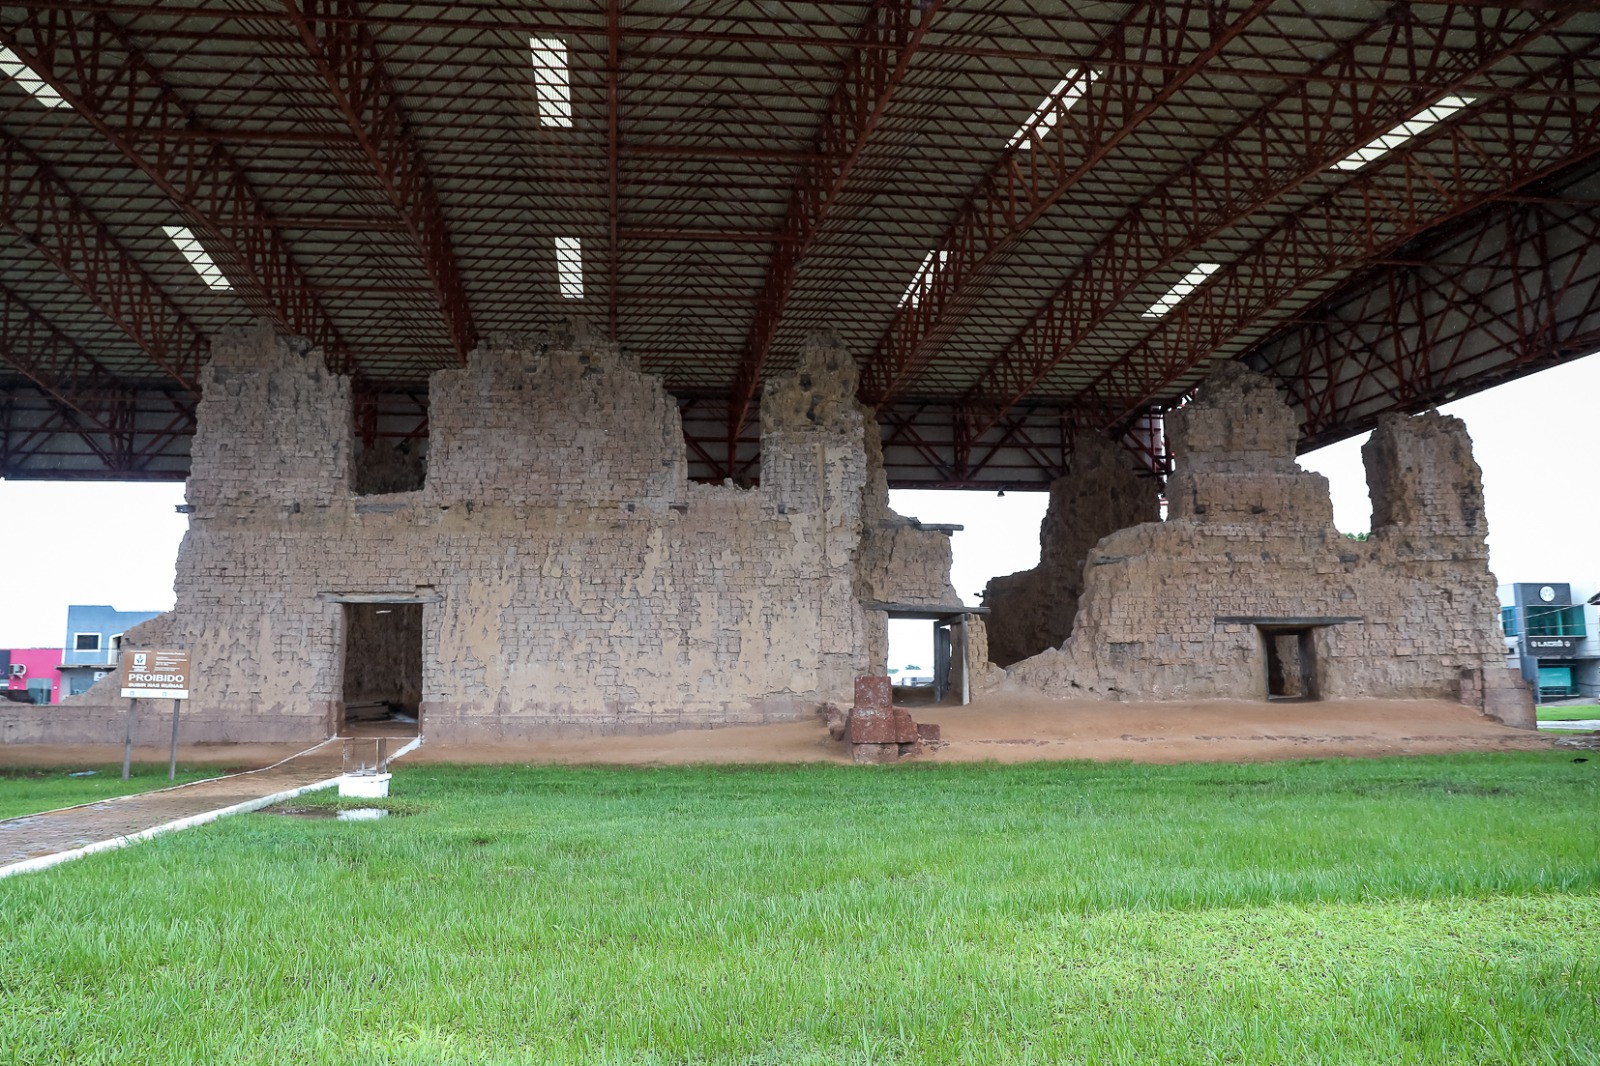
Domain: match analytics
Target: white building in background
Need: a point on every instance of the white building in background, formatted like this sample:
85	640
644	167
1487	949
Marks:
1552	634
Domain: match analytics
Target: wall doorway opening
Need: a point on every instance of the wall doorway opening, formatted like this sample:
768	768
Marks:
1291	663
382	669
911	661
940	667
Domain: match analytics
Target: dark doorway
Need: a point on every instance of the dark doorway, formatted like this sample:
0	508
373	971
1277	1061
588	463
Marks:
1291	664
382	668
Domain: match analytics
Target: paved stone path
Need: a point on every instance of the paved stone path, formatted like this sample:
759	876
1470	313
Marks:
34	835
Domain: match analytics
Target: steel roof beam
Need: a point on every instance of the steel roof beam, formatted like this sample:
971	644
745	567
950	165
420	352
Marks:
1273	153
124	444
38	207
578	20
1522	284
613	162
1457	170
1316	244
1028	450
40	351
860	99
61	368
346	56
1023	184
95	66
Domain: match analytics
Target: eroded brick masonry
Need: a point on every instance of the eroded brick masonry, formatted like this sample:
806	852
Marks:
568	573
1249	556
550	566
1033	610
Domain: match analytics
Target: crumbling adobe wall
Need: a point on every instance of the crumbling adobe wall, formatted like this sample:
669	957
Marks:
1032	610
816	436
1250	535
273	426
569	575
1429	535
565	418
899	561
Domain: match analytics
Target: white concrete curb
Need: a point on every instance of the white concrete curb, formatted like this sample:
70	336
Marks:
174	788
407	750
44	862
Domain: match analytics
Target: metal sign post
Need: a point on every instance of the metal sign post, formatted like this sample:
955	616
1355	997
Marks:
127	741
154	675
172	758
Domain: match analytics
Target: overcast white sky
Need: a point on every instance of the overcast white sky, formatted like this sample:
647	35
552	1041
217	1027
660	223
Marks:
97	542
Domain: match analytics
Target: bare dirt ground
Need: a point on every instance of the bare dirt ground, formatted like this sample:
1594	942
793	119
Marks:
1025	729
1003	728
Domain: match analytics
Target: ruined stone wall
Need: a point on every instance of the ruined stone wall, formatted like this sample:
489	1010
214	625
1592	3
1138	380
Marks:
1250	535
899	562
1429	537
563	419
821	448
279	427
1101	493
569	575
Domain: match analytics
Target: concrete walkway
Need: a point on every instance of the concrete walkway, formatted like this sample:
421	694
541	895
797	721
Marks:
27	840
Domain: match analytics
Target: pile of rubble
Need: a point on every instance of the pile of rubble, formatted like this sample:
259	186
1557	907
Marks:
876	729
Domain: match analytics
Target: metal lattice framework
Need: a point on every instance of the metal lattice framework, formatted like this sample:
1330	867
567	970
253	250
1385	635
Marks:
983	198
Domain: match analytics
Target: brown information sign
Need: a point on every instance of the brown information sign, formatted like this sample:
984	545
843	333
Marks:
155	675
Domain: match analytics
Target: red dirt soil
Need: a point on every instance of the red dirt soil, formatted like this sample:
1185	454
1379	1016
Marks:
1025	729
1002	728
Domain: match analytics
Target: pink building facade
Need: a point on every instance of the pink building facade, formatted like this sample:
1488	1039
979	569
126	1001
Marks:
29	669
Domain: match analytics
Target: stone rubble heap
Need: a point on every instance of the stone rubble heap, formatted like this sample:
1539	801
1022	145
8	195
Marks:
877	730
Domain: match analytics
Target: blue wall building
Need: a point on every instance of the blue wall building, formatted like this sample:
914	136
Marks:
94	642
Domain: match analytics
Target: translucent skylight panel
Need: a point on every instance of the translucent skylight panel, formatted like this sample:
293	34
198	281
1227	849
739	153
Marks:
1191	281
922	280
198	257
552	80
32	84
1403	132
569	267
1067	92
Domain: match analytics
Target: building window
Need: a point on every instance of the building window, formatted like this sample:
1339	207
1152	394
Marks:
1508	620
116	644
1554	621
86	642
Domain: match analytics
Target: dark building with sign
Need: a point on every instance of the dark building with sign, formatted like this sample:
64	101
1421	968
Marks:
1552	638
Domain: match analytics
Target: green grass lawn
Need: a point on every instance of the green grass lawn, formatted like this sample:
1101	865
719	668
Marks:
1423	910
31	790
1568	714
